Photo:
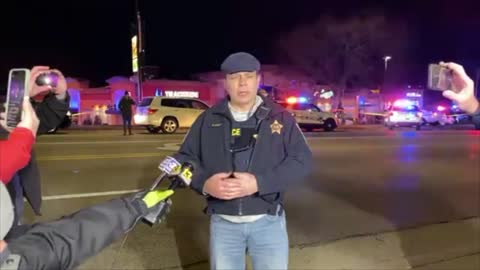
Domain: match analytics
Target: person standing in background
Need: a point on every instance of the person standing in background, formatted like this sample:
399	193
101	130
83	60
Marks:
125	106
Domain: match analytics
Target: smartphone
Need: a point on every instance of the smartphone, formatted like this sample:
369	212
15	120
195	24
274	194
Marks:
439	78
17	90
48	78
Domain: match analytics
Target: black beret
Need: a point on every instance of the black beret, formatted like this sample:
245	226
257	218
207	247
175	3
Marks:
238	62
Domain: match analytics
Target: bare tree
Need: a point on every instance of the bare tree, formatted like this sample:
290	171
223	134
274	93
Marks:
343	53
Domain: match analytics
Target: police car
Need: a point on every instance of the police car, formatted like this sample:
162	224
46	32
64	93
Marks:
437	117
403	113
309	116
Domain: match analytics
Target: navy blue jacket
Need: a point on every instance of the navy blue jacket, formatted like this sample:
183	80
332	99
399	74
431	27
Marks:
281	157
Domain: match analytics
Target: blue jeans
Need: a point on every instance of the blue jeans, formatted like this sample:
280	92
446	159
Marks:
18	200
127	124
265	240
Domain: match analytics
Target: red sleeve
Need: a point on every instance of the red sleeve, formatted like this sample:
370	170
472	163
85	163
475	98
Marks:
15	152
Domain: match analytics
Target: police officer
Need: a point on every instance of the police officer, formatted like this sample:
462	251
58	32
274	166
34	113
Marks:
69	241
248	152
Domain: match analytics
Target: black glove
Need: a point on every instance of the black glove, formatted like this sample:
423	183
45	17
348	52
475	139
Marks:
155	204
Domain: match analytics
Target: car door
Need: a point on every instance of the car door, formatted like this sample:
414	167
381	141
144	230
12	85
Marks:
183	111
296	112
311	113
197	107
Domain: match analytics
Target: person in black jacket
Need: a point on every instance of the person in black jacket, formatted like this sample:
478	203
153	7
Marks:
125	106
51	110
463	93
248	152
69	241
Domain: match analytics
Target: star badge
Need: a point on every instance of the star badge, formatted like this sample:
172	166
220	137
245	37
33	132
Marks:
276	127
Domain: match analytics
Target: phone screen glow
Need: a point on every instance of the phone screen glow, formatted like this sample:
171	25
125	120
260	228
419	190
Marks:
16	92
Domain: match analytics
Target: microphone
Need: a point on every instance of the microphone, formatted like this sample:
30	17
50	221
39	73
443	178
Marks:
184	178
168	167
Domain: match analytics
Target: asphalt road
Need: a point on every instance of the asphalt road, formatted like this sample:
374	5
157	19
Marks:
364	181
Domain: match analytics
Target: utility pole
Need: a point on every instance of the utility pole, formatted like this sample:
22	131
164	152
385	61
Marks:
141	51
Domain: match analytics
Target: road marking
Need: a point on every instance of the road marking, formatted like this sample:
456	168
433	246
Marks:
88	195
96	142
390	136
94	133
170	146
98	156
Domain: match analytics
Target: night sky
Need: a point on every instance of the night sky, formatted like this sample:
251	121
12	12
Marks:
91	39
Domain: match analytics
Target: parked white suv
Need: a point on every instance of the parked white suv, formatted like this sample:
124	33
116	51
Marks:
167	114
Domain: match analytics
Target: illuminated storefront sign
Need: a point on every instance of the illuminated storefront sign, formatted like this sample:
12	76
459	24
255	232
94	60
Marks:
413	94
134	54
189	94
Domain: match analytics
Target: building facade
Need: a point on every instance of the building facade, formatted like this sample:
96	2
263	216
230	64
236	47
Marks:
100	105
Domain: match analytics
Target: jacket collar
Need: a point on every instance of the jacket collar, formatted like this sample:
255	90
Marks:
268	108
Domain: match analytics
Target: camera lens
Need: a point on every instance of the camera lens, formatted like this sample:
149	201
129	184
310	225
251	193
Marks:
47	79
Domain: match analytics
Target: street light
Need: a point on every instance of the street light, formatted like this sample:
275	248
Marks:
386	58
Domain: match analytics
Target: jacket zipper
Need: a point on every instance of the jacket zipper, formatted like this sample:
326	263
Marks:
250	161
240	205
252	156
232	163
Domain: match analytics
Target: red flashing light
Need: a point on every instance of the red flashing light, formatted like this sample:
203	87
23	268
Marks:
291	100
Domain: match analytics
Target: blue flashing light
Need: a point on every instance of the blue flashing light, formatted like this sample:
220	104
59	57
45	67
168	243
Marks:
302	100
117	96
294	100
361	100
404	103
74	99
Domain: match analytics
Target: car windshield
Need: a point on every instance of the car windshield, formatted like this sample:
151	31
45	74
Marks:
411	108
146	102
300	107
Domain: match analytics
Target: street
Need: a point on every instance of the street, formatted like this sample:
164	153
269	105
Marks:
364	181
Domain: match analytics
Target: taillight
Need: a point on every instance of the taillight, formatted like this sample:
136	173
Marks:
152	111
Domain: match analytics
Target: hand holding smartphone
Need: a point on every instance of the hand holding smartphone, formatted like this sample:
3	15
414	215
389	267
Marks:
440	78
455	85
17	89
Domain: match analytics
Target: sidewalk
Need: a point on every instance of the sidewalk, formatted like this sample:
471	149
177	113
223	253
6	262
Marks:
453	245
435	246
